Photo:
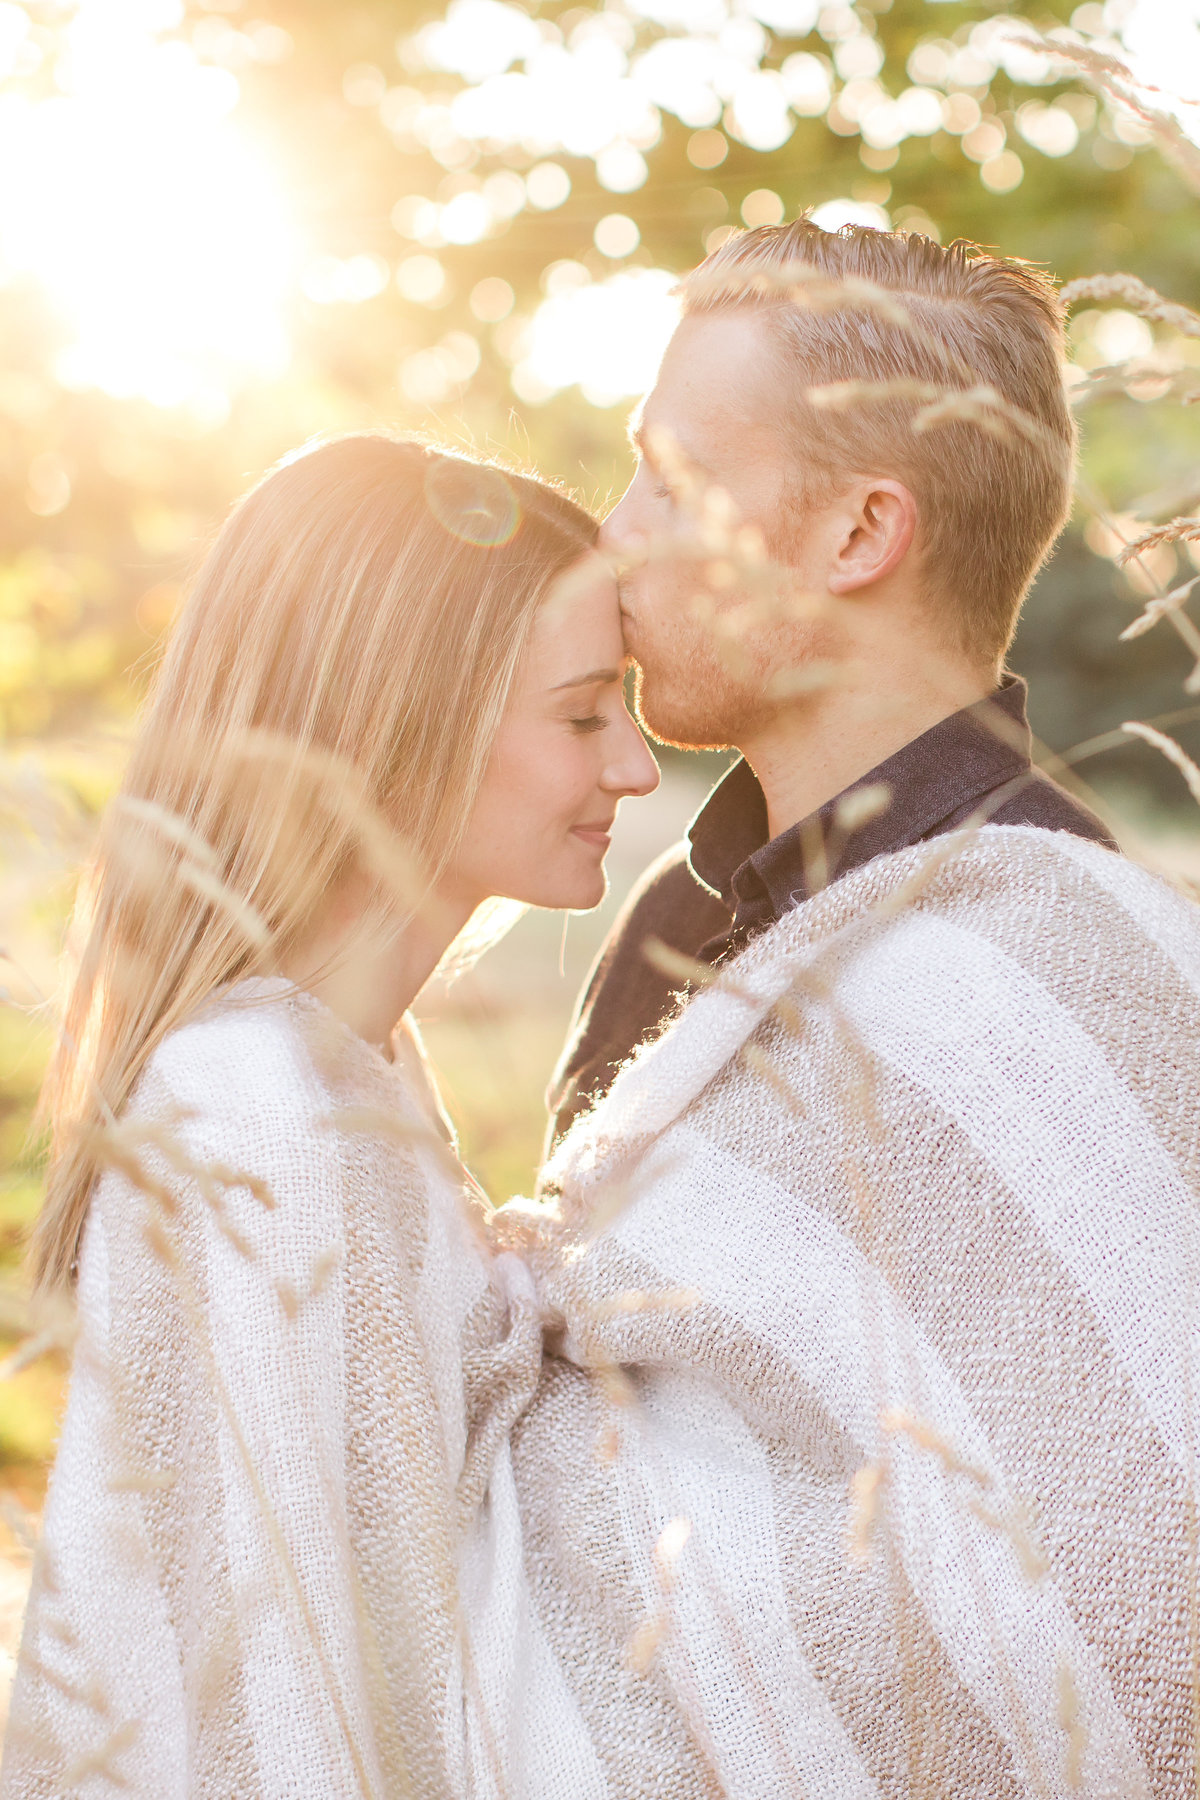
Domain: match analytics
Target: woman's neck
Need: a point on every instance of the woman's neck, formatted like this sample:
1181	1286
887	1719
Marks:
368	967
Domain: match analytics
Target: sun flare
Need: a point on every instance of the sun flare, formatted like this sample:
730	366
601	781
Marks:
171	257
158	232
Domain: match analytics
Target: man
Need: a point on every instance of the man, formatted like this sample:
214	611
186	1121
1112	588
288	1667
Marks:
865	1465
917	549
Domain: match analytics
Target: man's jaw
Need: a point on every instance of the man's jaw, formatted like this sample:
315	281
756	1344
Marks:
628	619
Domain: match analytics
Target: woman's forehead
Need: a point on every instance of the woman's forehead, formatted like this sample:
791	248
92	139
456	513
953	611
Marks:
578	627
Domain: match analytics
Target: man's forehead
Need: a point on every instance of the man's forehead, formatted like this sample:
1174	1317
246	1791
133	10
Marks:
717	390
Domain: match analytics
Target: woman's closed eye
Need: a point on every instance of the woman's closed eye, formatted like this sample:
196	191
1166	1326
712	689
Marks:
592	722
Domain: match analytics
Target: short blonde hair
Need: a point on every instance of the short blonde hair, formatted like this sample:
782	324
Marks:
328	700
992	495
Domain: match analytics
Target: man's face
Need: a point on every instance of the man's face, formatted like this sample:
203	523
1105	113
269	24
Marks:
717	399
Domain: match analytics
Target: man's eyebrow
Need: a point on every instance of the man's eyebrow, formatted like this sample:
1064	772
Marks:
593	678
636	432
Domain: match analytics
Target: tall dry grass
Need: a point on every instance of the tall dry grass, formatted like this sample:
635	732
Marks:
731	556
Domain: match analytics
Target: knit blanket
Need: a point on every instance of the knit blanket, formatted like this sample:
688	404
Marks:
866	1465
285	1436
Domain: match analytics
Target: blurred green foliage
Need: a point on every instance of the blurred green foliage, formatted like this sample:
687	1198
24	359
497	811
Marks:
87	583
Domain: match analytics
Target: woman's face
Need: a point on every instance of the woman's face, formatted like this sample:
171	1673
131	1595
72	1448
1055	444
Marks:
566	753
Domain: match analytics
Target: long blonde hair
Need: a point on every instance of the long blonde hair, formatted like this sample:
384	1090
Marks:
328	699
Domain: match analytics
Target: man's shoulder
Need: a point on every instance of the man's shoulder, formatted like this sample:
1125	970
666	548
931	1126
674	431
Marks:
1039	801
1049	901
671	902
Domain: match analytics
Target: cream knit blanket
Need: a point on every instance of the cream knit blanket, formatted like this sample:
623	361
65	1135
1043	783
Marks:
867	1468
285	1448
873	1443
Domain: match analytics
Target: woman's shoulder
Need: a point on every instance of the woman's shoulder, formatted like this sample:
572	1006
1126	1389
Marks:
245	1048
238	1117
263	1072
223	1110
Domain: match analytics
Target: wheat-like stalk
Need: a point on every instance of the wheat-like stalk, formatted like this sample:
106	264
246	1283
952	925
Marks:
1136	296
1174	753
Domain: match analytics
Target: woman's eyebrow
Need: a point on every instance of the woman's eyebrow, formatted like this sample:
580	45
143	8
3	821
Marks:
593	678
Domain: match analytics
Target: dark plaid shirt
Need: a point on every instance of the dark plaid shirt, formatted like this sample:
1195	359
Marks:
729	880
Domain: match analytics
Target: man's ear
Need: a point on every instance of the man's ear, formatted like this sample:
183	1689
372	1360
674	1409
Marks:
880	524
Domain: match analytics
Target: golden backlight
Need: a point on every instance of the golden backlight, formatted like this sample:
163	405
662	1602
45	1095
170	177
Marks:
169	248
159	234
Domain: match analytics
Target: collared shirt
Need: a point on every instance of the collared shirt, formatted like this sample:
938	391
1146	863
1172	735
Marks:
976	762
731	880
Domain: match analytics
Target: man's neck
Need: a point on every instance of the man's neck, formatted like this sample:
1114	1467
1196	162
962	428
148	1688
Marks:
808	754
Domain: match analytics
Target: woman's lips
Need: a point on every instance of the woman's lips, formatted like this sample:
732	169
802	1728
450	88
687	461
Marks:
598	836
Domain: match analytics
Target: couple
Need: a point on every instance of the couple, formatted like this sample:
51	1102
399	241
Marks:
829	1427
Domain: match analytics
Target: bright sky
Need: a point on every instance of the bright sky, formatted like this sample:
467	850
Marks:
174	268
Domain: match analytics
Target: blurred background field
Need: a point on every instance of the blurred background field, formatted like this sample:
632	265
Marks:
226	225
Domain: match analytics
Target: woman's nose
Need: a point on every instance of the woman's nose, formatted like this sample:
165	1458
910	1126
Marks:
633	770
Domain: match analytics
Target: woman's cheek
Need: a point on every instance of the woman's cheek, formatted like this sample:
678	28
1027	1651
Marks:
577	778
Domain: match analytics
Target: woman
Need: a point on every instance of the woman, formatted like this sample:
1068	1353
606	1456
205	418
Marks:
394	695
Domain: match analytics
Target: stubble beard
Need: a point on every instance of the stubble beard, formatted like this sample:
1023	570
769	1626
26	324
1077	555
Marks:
689	692
690	705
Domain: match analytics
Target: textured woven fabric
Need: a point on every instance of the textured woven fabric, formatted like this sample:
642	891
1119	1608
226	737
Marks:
873	1438
251	1569
865	1463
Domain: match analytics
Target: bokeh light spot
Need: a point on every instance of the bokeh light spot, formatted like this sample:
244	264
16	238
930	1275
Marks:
548	185
491	299
759	115
1050	129
1001	174
418	218
606	338
806	84
616	235
48	487
566	276
985	142
465	219
833	214
762	207
621	169
478	39
364	85
707	149
1119	336
720	234
960	113
504	193
421	279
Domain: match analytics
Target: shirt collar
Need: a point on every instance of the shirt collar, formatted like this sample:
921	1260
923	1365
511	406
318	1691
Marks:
936	776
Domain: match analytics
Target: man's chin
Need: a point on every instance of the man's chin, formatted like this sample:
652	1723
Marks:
677	726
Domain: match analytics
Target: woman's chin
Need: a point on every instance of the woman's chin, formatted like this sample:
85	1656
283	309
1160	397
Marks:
578	894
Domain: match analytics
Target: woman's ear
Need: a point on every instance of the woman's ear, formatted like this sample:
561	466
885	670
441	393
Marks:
881	523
